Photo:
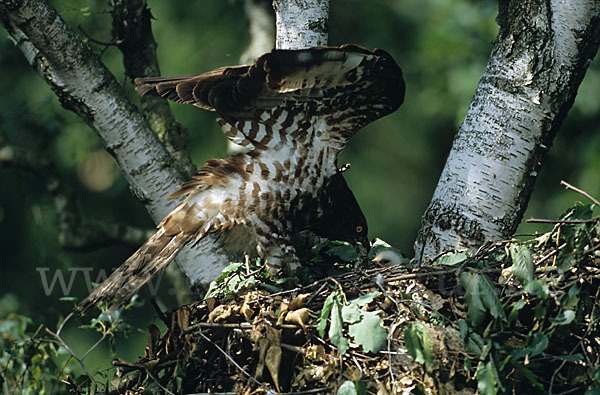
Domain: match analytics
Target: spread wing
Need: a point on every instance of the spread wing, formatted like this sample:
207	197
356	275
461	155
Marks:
336	90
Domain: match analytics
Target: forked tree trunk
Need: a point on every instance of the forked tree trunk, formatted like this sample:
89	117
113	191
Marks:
537	63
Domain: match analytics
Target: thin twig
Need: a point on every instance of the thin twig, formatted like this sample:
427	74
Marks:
157	382
584	193
143	367
105	43
562	221
79	360
416	275
389	349
60	328
241	369
241	325
94	346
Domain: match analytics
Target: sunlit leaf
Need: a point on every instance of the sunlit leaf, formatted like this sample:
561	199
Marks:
565	317
347	388
369	332
452	259
325	312
366	298
351	313
486	379
336	335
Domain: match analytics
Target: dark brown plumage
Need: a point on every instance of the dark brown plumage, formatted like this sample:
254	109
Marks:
294	110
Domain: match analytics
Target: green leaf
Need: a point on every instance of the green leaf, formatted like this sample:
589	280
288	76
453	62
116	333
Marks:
481	298
325	312
347	388
536	344
366	299
528	374
571	299
538	288
336	335
68	299
518	305
341	250
464	328
351	313
271	288
361	387
539	312
234	267
452	259
522	266
570	358
490	299
476	310
369	332
565	317
486	379
418	344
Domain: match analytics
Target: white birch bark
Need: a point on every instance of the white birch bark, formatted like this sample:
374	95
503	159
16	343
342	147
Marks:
85	86
301	23
537	63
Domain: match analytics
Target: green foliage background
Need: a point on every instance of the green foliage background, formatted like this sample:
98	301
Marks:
441	45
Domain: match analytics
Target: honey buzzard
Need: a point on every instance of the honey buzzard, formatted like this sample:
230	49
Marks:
294	110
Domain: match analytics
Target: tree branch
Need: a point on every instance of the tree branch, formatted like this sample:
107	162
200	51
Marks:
85	86
132	32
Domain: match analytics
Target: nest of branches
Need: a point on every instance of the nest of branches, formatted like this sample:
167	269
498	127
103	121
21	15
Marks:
518	316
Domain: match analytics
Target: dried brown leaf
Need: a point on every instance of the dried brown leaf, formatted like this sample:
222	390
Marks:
298	301
273	362
300	317
221	313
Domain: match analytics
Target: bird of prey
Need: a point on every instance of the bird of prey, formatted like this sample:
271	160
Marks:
294	110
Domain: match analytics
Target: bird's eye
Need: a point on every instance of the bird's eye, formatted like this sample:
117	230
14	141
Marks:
359	229
384	261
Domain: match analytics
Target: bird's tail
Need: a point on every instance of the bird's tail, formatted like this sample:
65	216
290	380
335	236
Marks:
144	264
156	253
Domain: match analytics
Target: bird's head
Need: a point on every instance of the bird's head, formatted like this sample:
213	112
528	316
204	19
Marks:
388	257
343	219
352	227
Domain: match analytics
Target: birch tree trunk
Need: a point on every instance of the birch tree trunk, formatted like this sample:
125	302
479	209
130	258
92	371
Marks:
537	63
85	86
301	23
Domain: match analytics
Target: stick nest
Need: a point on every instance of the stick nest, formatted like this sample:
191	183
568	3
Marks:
517	316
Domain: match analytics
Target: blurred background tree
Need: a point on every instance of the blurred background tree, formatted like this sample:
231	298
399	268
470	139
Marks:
442	47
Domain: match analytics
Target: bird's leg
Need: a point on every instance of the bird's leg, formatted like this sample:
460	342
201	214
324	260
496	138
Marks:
278	253
362	259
